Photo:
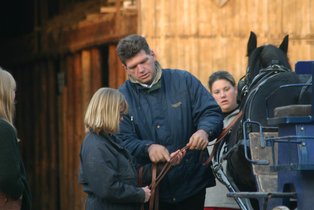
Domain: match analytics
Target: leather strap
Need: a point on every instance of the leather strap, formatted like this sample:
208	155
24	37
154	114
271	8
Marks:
153	187
221	136
140	176
167	166
154	199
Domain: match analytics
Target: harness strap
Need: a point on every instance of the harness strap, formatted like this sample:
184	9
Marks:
154	200
140	176
153	187
222	135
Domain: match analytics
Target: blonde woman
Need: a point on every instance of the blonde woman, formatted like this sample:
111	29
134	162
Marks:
14	189
107	173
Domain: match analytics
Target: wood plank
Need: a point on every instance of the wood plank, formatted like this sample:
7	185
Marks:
44	138
86	79
63	155
147	21
37	139
206	10
108	9
69	141
97	71
113	70
78	128
117	74
52	131
267	179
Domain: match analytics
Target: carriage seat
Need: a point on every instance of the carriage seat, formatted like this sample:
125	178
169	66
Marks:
296	113
300	110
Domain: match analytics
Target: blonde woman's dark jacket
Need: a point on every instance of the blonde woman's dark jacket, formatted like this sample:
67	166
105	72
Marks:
108	175
13	182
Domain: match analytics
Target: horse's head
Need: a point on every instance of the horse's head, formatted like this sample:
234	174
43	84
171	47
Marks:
262	57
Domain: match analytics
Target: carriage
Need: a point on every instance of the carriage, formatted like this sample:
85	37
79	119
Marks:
270	153
269	146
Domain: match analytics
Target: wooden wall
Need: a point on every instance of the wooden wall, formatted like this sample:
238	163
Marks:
52	97
203	36
37	105
57	71
83	76
59	68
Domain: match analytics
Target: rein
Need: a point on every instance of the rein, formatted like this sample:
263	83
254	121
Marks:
263	73
154	200
222	135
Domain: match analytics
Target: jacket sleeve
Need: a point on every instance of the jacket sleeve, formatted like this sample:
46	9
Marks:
132	142
104	180
206	112
11	182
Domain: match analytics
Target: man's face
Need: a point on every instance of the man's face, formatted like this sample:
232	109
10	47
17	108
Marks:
141	67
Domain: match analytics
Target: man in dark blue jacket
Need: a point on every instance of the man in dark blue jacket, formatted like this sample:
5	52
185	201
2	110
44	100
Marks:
168	109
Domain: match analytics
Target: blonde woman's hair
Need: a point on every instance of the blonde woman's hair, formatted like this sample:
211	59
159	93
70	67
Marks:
104	111
7	88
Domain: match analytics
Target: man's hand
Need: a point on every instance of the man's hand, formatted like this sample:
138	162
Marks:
158	153
199	140
177	156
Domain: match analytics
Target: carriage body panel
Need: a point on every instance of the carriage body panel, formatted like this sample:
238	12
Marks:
295	164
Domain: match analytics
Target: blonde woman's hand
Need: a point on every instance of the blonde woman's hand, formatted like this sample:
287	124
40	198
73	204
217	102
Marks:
147	193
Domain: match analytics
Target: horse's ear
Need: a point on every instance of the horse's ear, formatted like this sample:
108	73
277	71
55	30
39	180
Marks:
252	43
284	44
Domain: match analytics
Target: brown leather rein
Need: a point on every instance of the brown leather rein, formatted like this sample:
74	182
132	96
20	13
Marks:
154	200
221	136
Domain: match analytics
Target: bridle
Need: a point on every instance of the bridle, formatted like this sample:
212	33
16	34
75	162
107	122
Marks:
245	85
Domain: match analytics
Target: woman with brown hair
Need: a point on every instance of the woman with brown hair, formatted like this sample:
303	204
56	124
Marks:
223	88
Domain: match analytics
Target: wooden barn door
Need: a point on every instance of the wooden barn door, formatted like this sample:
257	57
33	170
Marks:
37	126
82	76
52	96
117	74
84	72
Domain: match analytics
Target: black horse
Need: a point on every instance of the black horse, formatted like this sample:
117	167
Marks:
268	69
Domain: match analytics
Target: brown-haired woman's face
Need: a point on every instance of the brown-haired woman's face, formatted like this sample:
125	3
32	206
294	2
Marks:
225	94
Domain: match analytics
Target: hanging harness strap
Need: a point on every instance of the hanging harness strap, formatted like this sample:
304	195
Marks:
222	135
154	200
156	179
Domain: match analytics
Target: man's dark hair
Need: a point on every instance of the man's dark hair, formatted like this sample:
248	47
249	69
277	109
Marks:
222	74
130	46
